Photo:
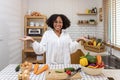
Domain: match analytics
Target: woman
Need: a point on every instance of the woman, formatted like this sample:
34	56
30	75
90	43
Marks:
56	42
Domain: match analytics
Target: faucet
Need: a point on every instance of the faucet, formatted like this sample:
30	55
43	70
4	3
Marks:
110	49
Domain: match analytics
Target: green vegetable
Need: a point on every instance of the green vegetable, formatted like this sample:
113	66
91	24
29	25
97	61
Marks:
91	59
69	68
17	68
99	40
59	71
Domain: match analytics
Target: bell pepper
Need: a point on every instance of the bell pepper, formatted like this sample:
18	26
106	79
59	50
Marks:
83	61
90	58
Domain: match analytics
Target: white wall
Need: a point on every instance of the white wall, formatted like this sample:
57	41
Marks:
10	32
70	8
100	26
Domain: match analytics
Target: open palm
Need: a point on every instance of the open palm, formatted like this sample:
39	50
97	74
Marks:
26	38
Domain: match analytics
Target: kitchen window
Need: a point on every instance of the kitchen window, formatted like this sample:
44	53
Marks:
112	22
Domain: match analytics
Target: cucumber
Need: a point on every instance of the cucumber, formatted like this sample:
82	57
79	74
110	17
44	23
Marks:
70	69
17	68
59	71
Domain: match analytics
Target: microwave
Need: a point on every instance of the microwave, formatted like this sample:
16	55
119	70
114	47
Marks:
35	32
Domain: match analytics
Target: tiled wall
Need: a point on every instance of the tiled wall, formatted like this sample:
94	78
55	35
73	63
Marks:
76	31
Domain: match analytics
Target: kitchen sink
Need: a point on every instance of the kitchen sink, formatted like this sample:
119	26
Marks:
111	62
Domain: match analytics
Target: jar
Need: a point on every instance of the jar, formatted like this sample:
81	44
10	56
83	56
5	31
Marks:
31	23
37	24
29	12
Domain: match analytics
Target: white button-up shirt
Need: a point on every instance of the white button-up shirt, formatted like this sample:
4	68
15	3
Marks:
58	49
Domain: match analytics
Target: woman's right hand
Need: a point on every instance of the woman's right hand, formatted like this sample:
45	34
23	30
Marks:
25	38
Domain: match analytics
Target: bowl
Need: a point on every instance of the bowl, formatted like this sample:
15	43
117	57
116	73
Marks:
92	71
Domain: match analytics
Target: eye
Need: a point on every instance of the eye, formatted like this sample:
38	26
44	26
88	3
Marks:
58	22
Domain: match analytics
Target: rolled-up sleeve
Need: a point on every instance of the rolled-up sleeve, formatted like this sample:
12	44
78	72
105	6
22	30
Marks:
74	45
40	47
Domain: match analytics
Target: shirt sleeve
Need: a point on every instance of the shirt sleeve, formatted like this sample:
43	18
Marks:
40	47
74	45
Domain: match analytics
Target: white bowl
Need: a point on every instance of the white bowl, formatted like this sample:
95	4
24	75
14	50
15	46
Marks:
92	71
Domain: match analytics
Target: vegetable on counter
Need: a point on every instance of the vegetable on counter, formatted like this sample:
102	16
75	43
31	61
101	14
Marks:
36	66
69	68
17	68
91	59
84	61
68	72
99	59
59	71
44	68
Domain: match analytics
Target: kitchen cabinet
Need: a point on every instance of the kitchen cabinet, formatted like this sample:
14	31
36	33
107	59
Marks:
75	57
87	21
34	26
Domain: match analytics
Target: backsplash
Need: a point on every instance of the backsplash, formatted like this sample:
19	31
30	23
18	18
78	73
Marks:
76	31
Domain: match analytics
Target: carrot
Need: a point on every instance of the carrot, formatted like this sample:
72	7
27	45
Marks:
36	66
99	59
44	68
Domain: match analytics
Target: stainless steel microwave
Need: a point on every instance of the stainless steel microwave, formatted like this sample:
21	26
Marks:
35	32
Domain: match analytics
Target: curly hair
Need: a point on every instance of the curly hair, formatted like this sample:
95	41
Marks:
52	18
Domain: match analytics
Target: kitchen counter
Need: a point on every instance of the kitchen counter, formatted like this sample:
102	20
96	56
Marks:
91	52
9	73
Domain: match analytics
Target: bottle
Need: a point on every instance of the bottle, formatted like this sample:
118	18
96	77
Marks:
92	11
88	37
95	10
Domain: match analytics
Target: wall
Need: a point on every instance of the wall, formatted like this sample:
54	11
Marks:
100	26
12	21
10	32
70	8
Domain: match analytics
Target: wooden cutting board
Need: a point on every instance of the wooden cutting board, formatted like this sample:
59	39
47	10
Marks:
52	75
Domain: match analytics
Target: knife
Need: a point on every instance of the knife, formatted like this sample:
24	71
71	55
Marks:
73	73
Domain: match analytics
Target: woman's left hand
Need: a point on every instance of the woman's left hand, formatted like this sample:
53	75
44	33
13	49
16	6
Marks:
82	38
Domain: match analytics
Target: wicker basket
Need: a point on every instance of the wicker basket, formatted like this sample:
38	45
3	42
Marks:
82	42
94	48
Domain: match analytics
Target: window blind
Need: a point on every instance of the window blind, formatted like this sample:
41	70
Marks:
117	40
112	19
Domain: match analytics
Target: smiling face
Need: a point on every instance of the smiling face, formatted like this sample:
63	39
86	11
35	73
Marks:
58	24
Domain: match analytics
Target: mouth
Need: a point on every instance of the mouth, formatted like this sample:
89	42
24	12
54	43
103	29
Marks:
58	27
